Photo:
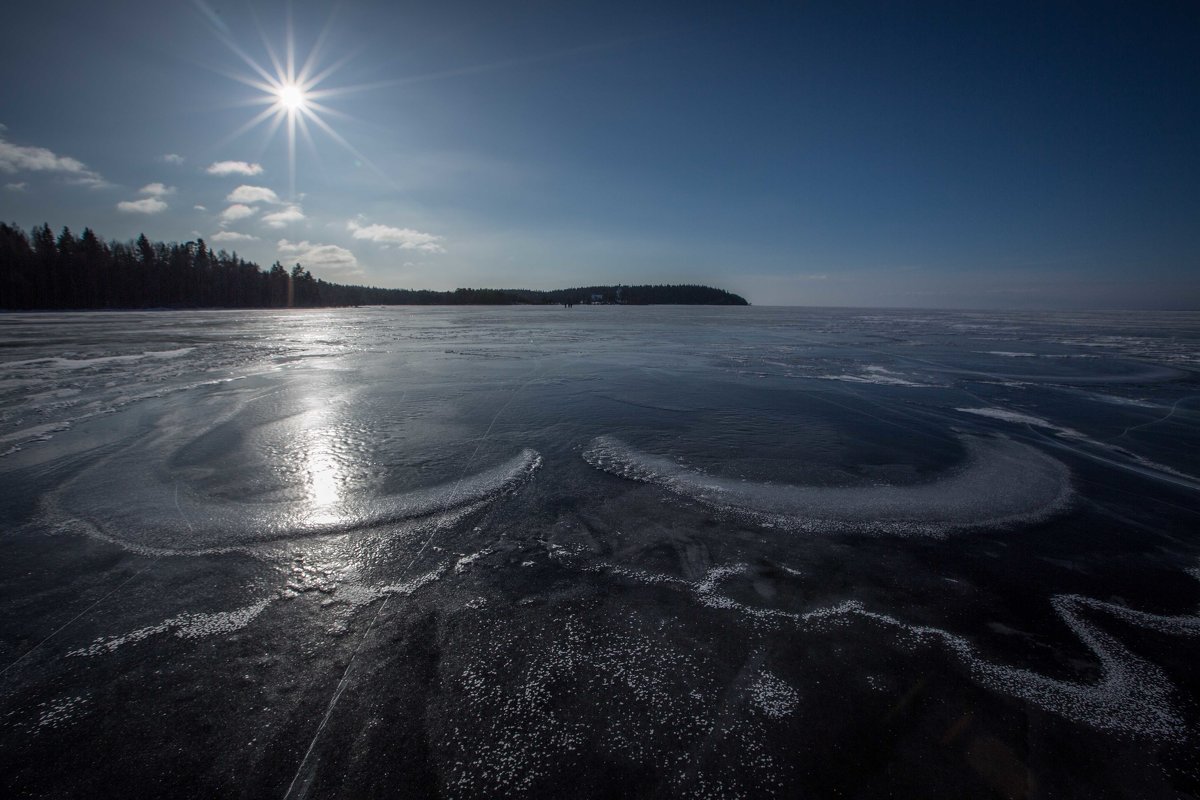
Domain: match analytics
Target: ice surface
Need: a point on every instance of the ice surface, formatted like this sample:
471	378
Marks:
551	552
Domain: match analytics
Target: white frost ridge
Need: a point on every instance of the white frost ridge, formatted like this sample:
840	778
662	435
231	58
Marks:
140	511
1001	483
1132	695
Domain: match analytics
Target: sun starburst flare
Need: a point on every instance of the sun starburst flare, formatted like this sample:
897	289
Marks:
292	97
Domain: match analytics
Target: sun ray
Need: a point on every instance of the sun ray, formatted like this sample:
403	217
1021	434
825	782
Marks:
266	43
254	122
272	127
290	43
334	67
306	135
248	80
291	134
310	62
324	109
266	76
337	137
250	102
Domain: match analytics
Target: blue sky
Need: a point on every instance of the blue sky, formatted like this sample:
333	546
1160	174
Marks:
958	154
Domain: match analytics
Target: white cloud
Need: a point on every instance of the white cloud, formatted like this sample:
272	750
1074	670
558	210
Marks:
232	236
16	187
156	190
336	262
279	219
199	208
91	181
236	211
19	158
171	158
404	238
234	168
252	194
147	205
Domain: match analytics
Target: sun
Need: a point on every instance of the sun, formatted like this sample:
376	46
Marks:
291	97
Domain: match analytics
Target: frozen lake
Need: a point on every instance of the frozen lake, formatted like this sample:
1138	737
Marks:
599	551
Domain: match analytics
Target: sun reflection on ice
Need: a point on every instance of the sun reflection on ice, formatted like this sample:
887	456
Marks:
324	469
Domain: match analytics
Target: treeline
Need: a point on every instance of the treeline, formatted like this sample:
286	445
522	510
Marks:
684	294
40	270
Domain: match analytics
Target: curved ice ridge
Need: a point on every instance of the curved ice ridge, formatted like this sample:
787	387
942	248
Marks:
160	518
1133	696
1001	483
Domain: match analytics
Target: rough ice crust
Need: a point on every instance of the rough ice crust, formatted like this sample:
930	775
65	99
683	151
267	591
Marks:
1001	483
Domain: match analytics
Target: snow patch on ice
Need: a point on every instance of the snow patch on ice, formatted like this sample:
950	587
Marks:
185	626
89	363
773	697
880	376
1019	418
59	712
464	563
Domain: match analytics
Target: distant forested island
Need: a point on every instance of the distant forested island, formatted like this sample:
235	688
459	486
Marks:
41	271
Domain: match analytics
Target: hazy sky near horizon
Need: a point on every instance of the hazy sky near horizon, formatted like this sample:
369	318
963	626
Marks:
999	154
